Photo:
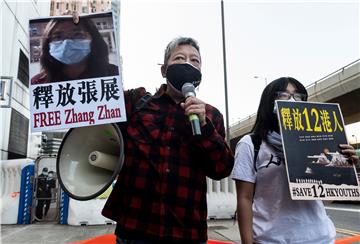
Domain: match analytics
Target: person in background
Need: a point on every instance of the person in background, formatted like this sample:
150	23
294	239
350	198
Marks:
41	193
50	184
73	51
266	213
160	193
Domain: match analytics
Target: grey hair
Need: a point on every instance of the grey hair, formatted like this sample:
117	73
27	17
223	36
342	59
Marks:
178	42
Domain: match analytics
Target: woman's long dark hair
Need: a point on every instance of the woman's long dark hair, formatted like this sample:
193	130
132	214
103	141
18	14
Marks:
98	60
266	120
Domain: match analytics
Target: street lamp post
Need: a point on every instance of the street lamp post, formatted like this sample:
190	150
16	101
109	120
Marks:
258	77
225	74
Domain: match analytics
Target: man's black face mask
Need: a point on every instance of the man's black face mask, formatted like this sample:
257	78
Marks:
179	74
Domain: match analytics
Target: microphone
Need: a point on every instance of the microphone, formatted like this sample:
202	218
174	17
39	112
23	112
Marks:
188	90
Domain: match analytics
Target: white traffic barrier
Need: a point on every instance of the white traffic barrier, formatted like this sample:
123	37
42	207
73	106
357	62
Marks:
221	201
74	212
16	191
221	198
87	212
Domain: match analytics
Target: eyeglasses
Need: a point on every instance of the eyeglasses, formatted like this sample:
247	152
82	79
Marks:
286	96
59	36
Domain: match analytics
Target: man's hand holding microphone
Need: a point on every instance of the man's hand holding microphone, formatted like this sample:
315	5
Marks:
194	108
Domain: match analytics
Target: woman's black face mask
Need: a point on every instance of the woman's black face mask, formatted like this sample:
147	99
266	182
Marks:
179	74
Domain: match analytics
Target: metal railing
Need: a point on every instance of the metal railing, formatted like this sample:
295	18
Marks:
333	73
243	119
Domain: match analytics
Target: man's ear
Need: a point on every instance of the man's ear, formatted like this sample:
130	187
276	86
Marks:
163	71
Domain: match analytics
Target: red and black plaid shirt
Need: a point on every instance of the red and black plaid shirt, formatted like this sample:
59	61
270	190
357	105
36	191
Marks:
160	193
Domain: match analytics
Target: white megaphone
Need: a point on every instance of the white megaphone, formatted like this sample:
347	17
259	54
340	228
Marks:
89	160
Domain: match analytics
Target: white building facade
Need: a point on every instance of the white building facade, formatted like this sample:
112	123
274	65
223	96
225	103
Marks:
16	139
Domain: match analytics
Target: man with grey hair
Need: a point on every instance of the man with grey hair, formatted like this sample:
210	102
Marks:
172	143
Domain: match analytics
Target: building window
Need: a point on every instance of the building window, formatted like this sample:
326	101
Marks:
57	5
2	90
33	31
23	69
18	135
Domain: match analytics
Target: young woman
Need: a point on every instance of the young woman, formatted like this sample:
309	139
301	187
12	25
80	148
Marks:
266	213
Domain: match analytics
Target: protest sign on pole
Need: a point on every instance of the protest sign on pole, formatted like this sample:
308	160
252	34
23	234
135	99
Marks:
75	76
311	134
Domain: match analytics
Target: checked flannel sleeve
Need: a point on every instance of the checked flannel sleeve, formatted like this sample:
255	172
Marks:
215	154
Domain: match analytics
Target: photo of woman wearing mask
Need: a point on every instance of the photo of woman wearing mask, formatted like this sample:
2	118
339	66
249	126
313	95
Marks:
73	51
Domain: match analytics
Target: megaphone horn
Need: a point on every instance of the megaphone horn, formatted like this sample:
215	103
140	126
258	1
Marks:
89	160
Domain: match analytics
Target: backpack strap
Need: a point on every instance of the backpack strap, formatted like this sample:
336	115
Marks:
256	140
142	102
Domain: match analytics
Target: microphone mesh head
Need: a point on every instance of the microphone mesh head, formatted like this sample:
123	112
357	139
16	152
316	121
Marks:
188	89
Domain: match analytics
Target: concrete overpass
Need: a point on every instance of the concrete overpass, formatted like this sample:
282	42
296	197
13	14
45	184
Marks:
342	86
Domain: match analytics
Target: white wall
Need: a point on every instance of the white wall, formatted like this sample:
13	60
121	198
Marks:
15	15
